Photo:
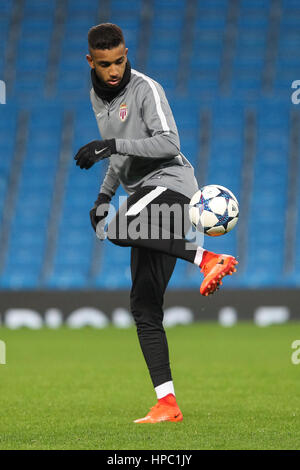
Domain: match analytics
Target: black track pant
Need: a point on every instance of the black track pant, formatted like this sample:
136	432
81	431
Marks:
152	263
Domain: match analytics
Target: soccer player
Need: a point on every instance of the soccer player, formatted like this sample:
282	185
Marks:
140	139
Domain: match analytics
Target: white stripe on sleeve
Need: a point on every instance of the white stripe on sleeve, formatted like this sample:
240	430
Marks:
160	112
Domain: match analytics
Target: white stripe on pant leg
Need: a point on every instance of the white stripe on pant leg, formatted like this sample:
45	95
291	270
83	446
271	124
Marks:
145	200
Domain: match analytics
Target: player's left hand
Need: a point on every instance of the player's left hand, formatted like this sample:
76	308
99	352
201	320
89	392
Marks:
98	215
94	152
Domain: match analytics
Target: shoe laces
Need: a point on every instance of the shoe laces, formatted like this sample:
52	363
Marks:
206	268
158	405
209	265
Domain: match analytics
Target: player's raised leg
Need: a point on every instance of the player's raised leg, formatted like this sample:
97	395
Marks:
214	266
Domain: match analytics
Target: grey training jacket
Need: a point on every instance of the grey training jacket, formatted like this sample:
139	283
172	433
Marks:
147	142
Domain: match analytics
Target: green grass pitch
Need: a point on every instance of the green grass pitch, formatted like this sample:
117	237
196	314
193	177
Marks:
81	389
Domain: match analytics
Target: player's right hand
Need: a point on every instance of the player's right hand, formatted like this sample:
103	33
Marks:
94	152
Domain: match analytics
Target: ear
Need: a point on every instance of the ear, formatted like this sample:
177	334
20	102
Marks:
90	61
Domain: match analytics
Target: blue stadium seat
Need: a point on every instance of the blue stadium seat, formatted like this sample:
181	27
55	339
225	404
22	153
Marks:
67	278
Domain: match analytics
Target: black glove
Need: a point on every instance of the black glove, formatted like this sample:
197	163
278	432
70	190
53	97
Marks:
94	152
102	200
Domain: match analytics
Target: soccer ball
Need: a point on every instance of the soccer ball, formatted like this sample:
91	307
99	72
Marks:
214	209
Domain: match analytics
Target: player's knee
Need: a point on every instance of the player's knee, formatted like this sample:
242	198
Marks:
146	321
116	234
146	313
116	241
113	235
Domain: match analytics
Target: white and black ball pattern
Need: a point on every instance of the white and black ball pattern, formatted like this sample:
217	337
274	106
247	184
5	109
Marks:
214	209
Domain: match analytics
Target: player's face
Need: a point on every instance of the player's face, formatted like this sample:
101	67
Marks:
109	64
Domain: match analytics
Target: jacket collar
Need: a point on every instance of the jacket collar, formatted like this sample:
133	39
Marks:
105	92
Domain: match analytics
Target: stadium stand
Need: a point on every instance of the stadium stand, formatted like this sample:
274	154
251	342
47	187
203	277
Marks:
227	67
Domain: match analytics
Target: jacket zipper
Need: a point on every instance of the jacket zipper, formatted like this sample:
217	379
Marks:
107	107
109	103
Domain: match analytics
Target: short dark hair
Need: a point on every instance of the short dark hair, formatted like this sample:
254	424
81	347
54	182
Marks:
105	36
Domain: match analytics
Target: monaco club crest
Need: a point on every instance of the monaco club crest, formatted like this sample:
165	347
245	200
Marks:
123	112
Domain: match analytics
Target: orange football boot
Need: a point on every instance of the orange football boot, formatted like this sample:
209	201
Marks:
166	409
215	267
